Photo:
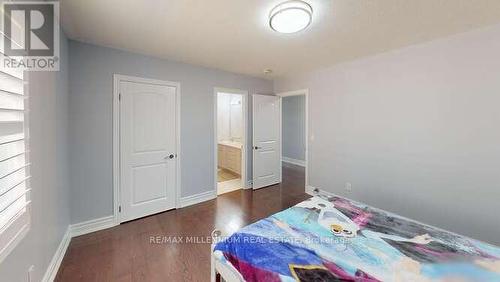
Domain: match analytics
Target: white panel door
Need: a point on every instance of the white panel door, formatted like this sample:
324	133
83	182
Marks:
147	149
266	141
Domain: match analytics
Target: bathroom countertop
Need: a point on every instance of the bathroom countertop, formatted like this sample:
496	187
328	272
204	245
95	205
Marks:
231	144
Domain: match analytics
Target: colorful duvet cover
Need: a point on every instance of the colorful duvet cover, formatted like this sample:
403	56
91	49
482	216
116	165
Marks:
335	239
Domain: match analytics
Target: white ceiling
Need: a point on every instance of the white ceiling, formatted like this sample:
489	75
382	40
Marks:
234	35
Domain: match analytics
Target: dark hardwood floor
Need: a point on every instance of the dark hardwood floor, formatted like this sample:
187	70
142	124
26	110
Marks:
124	252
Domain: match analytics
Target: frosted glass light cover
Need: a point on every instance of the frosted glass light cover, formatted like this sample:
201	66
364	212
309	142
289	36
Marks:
290	16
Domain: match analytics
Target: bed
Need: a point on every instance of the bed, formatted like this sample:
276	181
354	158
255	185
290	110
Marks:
336	239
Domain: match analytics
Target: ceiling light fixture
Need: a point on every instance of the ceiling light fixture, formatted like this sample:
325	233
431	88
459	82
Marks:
290	16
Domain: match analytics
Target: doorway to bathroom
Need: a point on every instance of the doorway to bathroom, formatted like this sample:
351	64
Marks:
230	139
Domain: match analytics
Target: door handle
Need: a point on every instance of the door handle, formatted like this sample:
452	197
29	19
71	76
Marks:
257	147
171	156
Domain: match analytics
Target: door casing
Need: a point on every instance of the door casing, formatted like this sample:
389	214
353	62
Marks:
244	153
300	92
117	79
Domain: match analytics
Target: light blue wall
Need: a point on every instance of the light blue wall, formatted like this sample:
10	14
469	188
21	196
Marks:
294	127
91	83
415	131
50	214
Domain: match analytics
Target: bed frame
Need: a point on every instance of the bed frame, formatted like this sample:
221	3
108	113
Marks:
225	272
220	271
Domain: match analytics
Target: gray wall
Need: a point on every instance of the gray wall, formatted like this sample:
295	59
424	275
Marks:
90	104
50	215
416	131
294	127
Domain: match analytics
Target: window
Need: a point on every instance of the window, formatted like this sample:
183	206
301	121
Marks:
14	162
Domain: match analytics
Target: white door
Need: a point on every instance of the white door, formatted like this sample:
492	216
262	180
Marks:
147	149
266	141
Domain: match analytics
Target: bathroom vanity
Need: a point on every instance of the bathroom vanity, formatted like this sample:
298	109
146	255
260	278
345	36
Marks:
229	156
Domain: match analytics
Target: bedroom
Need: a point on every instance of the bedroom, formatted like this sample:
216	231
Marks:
101	182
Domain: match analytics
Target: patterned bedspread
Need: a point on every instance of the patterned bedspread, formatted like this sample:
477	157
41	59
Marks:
336	239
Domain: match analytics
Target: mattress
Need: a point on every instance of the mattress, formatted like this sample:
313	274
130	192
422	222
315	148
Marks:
336	239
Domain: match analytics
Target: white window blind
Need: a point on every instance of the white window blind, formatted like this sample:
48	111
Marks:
14	162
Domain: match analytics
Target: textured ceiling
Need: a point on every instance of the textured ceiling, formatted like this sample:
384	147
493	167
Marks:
234	35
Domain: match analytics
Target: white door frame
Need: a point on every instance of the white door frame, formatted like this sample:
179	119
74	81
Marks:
244	156
117	79
300	92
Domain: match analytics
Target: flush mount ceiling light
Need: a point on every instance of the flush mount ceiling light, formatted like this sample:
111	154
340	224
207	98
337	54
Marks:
290	16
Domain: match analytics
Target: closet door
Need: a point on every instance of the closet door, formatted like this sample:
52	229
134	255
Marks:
266	140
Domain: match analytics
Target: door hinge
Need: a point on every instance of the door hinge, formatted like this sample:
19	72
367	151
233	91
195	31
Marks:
119	208
119	96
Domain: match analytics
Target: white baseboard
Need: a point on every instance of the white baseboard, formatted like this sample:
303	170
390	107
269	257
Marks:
54	264
74	230
313	191
310	190
293	161
93	225
198	198
97	224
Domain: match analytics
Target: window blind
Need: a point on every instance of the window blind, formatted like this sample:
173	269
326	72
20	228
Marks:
14	162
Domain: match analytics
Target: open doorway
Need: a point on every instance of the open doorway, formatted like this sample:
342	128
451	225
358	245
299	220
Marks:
294	131
230	134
